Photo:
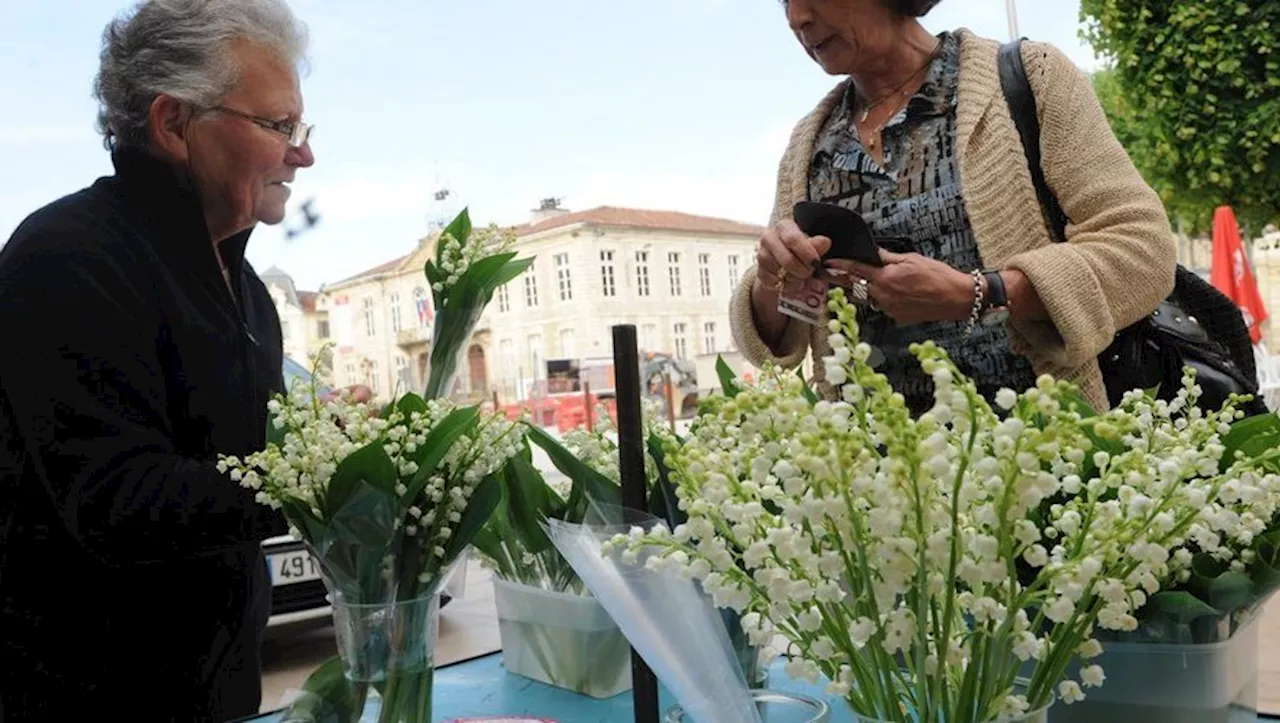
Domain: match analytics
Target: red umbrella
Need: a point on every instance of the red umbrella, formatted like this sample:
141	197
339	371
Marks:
1231	274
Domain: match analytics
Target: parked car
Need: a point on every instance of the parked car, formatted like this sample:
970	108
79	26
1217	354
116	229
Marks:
297	592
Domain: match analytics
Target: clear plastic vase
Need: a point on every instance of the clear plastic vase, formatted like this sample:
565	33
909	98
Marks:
775	707
391	648
450	346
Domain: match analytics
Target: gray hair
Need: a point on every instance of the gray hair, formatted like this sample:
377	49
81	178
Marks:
182	48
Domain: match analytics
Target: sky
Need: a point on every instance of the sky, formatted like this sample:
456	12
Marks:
660	104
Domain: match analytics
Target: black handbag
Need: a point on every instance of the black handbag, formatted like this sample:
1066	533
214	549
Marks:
1197	326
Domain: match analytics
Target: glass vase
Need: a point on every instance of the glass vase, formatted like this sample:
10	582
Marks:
390	647
775	707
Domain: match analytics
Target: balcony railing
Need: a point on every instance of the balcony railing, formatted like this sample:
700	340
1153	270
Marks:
413	335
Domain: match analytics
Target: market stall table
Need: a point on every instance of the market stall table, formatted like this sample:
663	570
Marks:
482	688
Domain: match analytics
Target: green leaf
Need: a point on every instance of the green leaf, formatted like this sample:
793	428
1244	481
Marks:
370	465
479	509
302	518
439	441
275	435
1181	606
510	271
1262	426
1265	569
728	379
1074	401
328	697
808	392
663	502
528	504
588	484
459	227
411	403
1217	585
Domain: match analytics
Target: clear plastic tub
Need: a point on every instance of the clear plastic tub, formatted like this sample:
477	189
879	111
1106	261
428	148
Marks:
564	640
1166	683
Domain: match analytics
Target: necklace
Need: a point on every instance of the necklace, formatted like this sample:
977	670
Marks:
872	105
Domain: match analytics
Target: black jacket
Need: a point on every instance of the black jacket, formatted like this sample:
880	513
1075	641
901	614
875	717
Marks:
131	574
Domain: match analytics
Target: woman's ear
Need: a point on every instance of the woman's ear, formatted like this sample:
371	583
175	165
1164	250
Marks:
169	120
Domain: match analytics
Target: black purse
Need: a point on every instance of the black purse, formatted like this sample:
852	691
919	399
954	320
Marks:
1151	353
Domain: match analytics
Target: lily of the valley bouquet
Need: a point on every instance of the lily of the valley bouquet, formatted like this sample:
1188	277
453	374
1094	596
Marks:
948	568
387	499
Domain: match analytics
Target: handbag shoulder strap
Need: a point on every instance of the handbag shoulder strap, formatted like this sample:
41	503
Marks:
1022	106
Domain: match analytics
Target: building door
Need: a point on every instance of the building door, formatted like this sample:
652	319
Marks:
479	371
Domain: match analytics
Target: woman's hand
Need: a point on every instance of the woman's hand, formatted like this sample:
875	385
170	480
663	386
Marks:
910	288
359	394
786	258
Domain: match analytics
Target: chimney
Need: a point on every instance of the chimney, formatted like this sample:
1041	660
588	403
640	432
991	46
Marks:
548	208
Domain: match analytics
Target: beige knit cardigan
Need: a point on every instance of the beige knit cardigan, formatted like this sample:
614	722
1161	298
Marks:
1117	266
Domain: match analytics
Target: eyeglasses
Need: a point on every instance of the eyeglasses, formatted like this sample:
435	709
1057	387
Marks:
297	133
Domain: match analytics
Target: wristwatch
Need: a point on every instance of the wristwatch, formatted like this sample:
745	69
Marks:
997	307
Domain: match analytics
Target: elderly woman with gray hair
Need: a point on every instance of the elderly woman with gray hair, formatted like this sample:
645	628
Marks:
919	140
141	345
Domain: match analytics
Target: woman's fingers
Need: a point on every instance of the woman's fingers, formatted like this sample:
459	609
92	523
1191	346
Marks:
786	254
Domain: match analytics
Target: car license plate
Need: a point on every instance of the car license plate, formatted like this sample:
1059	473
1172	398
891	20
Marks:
290	568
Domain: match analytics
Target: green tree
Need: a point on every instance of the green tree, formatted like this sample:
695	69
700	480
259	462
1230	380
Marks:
1153	154
1195	97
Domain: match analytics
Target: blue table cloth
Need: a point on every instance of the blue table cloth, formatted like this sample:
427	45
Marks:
482	688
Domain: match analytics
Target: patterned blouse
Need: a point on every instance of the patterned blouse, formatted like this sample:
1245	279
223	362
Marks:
916	199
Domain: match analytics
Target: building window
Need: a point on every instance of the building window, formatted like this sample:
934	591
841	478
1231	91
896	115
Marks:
649	337
642	273
369	327
284	329
538	370
673	272
568	349
350	370
733	273
607	285
679	331
504	298
709	337
507	352
563	282
403	378
322	328
373	380
531	287
704	274
395	312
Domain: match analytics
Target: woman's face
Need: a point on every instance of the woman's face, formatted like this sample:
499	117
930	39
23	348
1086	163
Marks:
843	36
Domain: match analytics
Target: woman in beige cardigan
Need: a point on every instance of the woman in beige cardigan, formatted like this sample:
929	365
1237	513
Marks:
919	140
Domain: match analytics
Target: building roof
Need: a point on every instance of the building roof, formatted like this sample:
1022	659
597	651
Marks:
307	299
599	216
382	268
642	218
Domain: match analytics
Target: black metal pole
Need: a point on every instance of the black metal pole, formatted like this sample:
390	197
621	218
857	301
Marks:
626	369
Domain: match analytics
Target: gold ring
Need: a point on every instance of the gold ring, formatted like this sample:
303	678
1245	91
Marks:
781	284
